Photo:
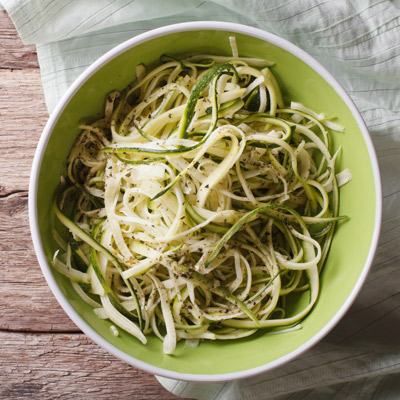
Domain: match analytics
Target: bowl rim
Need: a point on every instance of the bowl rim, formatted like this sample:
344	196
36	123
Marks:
52	121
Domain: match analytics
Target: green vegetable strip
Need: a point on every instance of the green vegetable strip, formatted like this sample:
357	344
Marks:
335	210
194	97
245	219
95	246
203	281
102	280
199	219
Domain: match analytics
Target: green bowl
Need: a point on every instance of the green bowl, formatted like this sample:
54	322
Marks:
303	80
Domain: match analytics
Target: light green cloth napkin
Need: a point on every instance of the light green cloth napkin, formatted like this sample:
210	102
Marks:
359	42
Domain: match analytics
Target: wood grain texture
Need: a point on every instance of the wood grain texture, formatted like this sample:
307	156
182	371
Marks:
43	354
69	367
26	299
23	115
13	53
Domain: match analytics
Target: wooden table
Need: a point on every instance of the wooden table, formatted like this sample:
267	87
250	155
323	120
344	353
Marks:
43	355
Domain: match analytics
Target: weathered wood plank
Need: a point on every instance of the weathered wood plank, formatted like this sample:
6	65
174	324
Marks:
13	53
26	302
23	115
45	366
26	298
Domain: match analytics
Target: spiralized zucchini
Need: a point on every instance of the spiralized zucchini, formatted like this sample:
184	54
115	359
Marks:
199	204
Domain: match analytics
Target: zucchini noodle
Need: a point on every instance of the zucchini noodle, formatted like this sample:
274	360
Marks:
200	206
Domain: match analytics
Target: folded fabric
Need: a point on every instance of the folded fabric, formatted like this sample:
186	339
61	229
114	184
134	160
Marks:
359	43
